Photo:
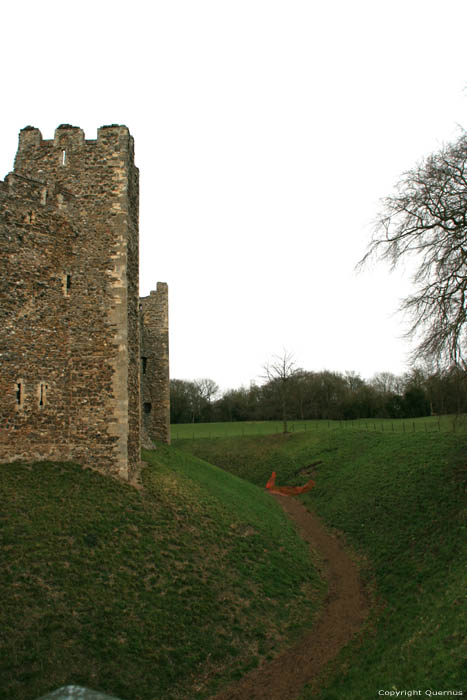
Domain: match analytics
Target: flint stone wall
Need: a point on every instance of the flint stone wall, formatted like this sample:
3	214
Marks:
155	383
69	335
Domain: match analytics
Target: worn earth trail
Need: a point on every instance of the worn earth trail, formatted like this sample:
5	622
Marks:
345	609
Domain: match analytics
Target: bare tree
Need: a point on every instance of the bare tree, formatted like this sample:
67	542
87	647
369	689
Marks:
207	390
354	380
426	220
280	373
387	383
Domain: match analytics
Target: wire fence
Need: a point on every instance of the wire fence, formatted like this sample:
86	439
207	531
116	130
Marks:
195	431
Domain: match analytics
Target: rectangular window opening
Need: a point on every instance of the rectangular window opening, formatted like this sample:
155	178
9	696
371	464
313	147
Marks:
144	364
63	157
42	395
66	282
19	394
147	407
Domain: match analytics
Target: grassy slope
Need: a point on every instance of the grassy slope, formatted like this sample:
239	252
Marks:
400	501
157	594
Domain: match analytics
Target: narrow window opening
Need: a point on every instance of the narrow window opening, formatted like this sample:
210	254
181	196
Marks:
66	281
19	394
63	157
44	197
144	364
147	407
42	395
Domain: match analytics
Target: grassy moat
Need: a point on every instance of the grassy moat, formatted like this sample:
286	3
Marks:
399	499
175	590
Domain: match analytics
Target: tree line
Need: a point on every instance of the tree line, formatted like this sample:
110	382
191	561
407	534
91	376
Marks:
324	395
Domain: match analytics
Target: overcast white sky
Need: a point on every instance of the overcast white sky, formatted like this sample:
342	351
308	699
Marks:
266	131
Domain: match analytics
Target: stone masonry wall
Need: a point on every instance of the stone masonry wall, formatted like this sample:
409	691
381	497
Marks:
69	336
35	324
155	384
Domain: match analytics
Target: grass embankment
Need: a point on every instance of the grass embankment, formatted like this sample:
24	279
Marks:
399	499
155	594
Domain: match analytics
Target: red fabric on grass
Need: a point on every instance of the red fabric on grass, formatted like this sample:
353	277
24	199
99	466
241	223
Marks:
288	490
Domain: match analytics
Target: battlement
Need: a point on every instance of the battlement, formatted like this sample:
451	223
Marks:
30	136
162	288
158	295
68	138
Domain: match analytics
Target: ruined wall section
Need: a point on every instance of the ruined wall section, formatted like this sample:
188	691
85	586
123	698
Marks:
94	187
155	381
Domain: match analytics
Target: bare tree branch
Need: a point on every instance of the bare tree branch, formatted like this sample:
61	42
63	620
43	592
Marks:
426	220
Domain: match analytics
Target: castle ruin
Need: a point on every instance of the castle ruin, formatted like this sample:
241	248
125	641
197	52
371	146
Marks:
83	361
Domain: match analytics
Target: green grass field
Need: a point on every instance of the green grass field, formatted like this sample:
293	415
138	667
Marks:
399	500
430	424
171	592
159	594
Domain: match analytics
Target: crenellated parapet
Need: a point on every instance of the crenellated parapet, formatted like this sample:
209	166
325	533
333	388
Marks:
42	158
113	136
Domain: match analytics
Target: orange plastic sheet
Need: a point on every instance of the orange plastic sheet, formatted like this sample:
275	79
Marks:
288	490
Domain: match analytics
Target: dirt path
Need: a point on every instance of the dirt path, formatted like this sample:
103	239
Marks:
344	611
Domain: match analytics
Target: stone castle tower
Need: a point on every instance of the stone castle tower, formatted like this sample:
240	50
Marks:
70	358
